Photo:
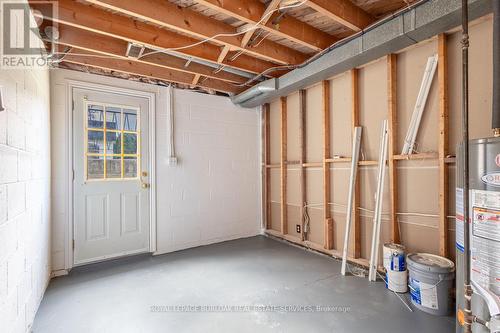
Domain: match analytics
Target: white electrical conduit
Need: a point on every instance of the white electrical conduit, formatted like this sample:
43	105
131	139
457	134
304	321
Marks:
171	120
356	144
416	117
378	203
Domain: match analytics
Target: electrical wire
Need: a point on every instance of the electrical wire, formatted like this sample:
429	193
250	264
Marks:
249	28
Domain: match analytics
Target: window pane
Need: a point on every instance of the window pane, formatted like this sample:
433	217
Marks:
130	120
113	143
95	116
95	142
95	167
113	167
130	167
113	118
129	143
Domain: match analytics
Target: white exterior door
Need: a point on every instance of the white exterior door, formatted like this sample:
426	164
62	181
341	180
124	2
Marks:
111	175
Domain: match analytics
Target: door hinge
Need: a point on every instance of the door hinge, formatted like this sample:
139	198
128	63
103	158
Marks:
73	105
73	244
73	174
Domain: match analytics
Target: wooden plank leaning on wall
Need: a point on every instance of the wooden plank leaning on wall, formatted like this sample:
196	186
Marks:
283	166
392	83
326	166
443	145
356	228
266	160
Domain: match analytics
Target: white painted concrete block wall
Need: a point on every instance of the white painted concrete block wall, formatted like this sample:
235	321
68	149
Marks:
25	224
211	196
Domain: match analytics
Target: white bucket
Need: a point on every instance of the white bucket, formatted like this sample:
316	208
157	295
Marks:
389	250
397	281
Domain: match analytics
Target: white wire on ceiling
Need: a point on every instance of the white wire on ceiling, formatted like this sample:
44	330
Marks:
249	28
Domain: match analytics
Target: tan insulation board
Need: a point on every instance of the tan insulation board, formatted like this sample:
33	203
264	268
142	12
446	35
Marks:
314	128
372	106
274	127
418	180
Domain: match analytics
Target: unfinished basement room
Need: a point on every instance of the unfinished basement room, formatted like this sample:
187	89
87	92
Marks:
249	166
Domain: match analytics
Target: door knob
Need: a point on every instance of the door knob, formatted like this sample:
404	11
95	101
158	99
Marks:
145	185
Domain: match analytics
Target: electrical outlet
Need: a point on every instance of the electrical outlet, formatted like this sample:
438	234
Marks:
297	228
172	161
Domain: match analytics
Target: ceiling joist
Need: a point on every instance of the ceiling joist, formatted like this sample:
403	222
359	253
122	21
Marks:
344	12
82	57
106	23
251	11
93	42
187	21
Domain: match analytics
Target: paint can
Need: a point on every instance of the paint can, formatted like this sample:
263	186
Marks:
398	262
397	281
388	250
431	282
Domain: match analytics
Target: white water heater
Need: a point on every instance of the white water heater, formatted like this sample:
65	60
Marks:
484	214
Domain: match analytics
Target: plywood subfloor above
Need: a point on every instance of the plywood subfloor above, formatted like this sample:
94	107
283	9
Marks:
206	39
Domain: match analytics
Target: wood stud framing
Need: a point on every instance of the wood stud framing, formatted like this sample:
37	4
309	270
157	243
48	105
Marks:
393	135
393	159
283	177
356	228
443	144
326	166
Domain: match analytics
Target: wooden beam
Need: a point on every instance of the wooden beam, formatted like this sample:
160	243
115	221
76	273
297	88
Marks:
85	40
251	11
419	156
356	226
106	23
326	166
392	82
443	144
343	12
303	157
263	20
196	79
283	178
223	54
197	25
82	57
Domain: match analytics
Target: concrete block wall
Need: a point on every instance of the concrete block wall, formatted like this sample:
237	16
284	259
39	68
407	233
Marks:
24	196
213	193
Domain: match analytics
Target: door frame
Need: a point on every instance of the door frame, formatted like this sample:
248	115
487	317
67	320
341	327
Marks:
69	260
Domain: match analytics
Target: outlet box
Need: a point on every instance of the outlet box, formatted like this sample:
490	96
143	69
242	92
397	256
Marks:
297	228
172	161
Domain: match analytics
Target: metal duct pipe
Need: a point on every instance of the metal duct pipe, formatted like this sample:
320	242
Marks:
495	115
264	87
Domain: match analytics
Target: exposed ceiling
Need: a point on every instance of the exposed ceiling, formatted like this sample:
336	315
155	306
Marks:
217	46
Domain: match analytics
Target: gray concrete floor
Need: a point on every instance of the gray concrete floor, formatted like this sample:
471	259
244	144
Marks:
118	296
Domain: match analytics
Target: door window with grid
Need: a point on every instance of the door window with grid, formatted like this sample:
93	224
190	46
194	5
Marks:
112	135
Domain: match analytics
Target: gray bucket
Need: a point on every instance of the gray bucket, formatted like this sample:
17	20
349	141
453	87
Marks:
431	282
